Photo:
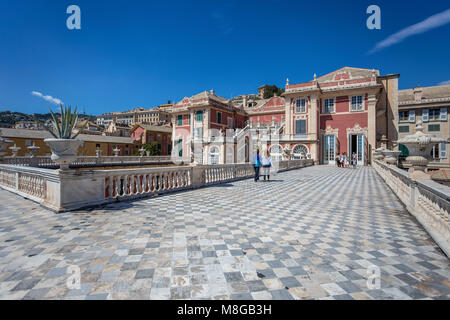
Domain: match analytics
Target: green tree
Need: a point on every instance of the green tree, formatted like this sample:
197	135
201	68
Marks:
152	148
271	90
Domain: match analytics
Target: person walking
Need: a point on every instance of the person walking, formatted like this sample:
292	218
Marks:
354	159
338	159
346	160
256	164
266	165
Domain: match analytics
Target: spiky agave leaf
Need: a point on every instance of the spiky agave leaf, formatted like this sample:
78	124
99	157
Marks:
56	123
73	121
65	122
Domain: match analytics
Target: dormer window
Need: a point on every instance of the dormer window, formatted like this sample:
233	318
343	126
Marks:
357	103
300	106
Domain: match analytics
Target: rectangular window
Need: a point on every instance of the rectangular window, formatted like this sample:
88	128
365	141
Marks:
179	120
199	116
219	117
443	150
198	133
300	106
443	114
328	106
357	103
434	127
403	129
230	123
425	115
403	116
433	114
300	126
180	147
412	116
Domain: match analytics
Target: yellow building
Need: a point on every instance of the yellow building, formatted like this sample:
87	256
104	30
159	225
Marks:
24	138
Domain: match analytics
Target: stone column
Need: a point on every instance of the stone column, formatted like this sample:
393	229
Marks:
288	117
313	130
372	124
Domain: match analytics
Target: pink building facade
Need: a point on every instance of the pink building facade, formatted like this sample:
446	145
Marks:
348	110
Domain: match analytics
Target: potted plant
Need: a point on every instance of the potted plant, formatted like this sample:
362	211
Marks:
64	145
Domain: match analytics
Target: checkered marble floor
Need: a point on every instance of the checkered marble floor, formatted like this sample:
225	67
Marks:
311	233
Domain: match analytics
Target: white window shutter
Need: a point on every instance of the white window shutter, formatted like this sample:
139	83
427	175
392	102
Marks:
412	116
444	114
425	115
443	150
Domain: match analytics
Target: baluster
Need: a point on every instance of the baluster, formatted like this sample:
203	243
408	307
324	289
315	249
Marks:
111	185
144	183
168	180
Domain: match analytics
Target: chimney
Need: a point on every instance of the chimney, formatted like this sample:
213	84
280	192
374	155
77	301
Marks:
212	91
168	102
244	101
417	94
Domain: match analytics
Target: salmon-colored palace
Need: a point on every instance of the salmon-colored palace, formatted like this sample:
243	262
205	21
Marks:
348	110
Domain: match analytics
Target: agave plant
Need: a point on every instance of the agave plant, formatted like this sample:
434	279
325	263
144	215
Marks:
64	128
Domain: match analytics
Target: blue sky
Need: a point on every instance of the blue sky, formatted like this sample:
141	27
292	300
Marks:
143	53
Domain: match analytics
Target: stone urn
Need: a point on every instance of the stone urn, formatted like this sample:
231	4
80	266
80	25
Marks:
378	154
3	144
116	152
64	151
15	150
419	146
391	157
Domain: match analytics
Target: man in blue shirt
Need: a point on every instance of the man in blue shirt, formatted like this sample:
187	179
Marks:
256	164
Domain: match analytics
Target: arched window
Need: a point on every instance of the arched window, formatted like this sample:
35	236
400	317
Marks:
276	152
214	155
300	151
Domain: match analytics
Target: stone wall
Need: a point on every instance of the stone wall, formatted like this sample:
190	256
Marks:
426	200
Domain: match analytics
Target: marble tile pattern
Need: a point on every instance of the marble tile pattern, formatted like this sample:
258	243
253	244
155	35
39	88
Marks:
310	233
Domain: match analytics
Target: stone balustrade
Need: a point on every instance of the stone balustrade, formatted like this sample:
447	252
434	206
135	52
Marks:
427	200
87	161
65	190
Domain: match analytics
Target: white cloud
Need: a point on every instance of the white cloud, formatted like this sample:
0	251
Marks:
444	82
429	23
47	98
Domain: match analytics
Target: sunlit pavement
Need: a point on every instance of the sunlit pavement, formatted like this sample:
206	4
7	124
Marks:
315	233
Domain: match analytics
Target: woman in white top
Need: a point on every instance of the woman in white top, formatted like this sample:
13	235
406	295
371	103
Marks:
266	165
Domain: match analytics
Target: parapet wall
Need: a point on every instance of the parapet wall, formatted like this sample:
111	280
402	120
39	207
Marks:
426	200
75	189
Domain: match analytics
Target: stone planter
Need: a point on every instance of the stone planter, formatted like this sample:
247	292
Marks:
391	156
64	151
419	146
